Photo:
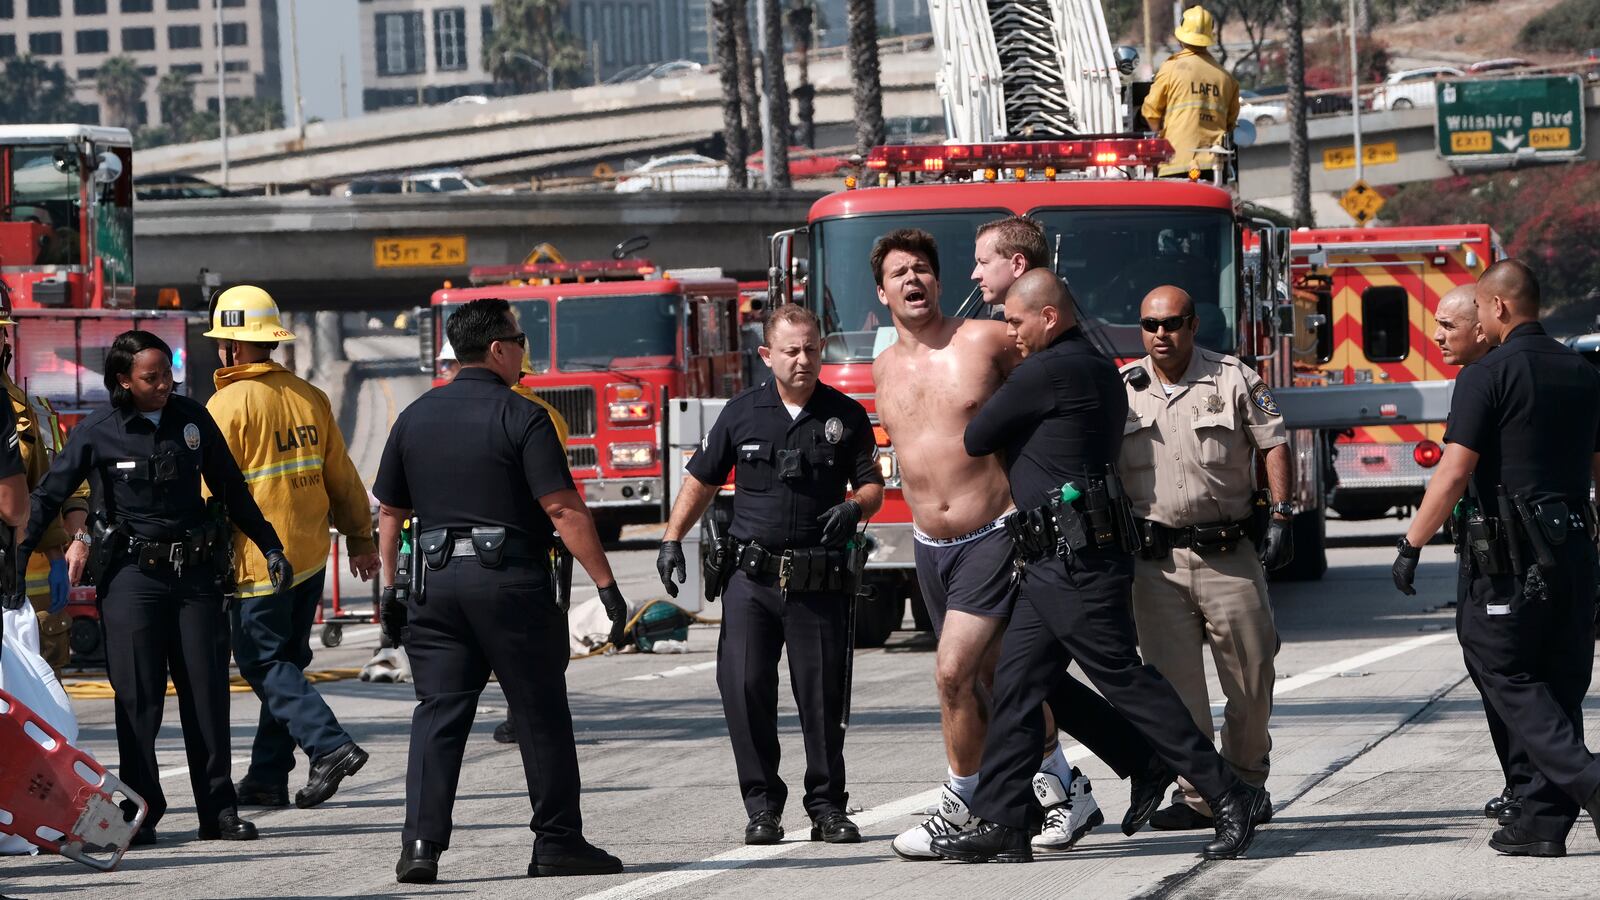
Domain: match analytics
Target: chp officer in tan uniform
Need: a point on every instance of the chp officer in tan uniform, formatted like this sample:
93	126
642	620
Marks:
1194	418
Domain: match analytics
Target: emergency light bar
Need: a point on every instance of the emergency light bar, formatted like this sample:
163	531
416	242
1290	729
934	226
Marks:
1084	153
580	270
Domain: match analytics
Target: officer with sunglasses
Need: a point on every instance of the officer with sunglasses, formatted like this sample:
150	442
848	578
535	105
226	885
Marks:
484	474
1196	422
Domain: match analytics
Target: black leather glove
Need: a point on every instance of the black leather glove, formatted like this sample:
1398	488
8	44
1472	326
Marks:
1405	567
616	611
670	561
392	617
1277	547
839	523
13	600
279	570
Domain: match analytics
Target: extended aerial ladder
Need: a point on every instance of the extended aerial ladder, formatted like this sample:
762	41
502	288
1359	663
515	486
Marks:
1025	69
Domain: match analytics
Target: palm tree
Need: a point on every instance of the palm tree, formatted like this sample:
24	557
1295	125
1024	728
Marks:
121	86
866	86
735	146
748	98
801	15
1299	142
772	77
175	97
532	29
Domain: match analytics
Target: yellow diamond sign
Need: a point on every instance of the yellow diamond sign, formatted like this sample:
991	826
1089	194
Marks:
1361	202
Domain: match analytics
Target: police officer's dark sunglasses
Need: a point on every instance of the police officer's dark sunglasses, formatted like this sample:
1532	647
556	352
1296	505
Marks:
521	339
1170	323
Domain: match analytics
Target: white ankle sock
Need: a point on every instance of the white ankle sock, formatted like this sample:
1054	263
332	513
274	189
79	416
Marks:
1056	764
963	785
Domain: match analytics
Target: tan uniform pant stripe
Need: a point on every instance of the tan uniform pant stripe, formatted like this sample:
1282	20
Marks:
1190	600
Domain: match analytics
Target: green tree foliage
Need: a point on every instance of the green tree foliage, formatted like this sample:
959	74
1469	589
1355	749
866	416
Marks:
1548	216
246	115
533	28
1572	25
121	86
175	96
33	91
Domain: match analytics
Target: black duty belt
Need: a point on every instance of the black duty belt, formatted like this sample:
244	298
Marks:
173	556
515	548
800	570
1202	537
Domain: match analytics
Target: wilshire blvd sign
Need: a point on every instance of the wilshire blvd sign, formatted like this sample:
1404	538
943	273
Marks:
1501	119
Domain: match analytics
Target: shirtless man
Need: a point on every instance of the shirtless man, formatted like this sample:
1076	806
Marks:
930	383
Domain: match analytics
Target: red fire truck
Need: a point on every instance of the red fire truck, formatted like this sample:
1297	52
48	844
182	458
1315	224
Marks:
609	343
1365	305
1118	232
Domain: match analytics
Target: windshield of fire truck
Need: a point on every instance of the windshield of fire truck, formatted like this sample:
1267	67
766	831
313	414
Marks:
41	193
629	332
1110	257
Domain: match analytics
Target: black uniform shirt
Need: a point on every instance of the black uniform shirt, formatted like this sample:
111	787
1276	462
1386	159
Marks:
146	477
1058	417
10	450
830	444
473	453
1531	410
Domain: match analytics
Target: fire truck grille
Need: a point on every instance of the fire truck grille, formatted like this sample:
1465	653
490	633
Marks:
576	405
583	457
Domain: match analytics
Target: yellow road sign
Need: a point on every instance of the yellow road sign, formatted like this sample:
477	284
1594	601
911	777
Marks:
1471	142
419	252
1361	202
1378	154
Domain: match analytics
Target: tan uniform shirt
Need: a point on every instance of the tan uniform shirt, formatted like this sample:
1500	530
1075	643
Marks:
1186	458
1196	101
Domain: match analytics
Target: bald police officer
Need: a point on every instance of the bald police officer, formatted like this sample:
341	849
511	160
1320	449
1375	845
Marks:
1196	420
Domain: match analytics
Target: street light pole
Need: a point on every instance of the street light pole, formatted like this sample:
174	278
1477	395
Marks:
1355	92
222	97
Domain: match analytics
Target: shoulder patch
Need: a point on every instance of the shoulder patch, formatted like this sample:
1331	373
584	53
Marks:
1261	396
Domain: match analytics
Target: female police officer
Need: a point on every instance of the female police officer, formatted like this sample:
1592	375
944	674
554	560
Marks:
160	600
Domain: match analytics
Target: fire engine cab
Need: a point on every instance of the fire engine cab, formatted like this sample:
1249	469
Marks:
610	342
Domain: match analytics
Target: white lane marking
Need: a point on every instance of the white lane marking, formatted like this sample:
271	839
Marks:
690	873
174	771
674	673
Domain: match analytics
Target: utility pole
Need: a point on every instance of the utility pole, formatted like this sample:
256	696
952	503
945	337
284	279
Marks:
1355	92
222	96
344	97
1149	38
766	116
294	74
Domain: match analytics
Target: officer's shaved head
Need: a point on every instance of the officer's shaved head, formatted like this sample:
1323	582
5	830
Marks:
1038	309
1456	329
1507	295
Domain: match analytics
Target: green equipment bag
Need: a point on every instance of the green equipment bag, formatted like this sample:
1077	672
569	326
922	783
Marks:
659	621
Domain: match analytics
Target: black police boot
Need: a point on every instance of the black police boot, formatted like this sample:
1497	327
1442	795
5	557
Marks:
1514	840
252	794
989	842
1592	807
586	859
764	828
1236	815
835	828
1146	790
327	771
228	827
505	732
1491	809
419	863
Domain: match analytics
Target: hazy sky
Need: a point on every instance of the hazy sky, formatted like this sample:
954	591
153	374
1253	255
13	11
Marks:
328	29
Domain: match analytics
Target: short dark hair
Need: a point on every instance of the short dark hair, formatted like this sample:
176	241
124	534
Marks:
1019	234
476	325
791	313
1514	279
911	240
119	361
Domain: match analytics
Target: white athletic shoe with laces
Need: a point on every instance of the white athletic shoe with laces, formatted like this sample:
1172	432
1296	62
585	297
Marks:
1070	813
917	843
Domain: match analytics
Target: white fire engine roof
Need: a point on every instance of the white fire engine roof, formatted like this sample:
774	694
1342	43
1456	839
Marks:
60	134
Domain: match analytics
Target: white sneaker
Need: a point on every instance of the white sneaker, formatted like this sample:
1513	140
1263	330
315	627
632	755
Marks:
952	816
1070	813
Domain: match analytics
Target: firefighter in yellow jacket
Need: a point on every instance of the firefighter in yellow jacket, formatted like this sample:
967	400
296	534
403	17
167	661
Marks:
48	580
281	429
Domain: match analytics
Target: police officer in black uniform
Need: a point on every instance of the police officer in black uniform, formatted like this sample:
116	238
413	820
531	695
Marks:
161	560
1523	444
794	445
1059	419
486	476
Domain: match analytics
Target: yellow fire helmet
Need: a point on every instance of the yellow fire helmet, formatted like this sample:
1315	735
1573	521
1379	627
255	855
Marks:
247	313
1197	28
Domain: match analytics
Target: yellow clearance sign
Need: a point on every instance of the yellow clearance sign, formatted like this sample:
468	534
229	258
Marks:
1371	154
419	252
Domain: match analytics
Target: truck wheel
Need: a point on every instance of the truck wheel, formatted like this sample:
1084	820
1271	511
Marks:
84	638
1310	531
880	616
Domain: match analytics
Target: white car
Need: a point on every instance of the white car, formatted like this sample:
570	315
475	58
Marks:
679	172
1413	87
1261	110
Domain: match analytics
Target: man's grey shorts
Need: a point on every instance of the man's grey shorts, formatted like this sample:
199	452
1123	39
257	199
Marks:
973	573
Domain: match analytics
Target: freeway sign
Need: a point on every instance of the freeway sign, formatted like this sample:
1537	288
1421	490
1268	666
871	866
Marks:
1361	202
1493	119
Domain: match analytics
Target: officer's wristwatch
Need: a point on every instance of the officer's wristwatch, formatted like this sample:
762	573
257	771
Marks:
1284	509
84	538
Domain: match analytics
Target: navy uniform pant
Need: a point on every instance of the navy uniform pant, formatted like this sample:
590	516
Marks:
272	645
1080	613
156	624
472	621
1532	658
758	623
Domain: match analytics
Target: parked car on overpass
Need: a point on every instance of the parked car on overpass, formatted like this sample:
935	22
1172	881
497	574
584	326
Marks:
1412	87
678	172
1262	110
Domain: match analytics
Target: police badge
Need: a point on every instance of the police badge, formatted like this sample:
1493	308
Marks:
191	436
833	431
1214	404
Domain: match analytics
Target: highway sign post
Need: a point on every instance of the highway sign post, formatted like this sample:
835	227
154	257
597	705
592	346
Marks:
1504	119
